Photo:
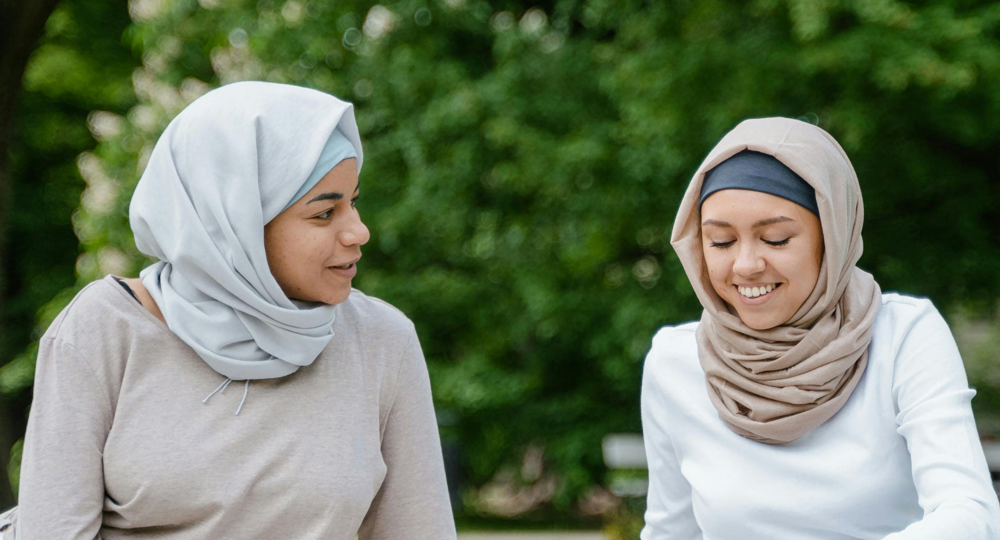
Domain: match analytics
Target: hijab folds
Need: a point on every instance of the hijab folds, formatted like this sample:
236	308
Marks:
226	166
777	385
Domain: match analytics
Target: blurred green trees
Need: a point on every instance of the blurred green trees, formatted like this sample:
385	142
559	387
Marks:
79	65
524	162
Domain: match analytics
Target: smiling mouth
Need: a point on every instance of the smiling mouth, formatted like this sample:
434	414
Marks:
757	292
347	266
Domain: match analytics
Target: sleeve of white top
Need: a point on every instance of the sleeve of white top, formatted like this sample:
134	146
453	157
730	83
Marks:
934	415
412	502
668	502
62	471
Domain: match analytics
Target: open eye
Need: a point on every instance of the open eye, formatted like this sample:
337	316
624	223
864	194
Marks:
325	215
354	201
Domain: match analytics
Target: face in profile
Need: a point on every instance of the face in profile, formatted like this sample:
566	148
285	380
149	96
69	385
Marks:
313	247
763	254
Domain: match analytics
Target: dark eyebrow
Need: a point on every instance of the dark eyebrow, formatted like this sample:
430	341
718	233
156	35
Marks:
333	195
759	224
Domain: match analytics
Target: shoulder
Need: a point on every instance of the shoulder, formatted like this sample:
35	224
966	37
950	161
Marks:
914	334
95	328
370	311
904	317
96	313
673	357
375	320
387	342
667	338
673	344
899	304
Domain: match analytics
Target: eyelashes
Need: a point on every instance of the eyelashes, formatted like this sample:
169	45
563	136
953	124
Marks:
727	245
329	213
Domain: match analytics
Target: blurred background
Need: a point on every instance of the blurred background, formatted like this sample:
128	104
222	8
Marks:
524	161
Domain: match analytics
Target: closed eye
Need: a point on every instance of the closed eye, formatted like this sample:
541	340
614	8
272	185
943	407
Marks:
726	245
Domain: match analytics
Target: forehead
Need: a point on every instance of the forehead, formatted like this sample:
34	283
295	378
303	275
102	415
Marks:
738	205
342	178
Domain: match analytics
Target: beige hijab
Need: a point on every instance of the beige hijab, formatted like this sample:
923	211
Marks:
777	385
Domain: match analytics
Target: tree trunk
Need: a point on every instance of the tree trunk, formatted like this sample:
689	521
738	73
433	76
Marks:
21	25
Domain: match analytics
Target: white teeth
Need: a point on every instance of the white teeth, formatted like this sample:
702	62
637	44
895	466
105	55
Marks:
754	292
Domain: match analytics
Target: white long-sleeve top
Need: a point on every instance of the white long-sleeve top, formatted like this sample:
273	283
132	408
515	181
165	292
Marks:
900	461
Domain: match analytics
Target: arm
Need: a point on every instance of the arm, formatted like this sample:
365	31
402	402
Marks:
413	500
668	503
62	474
933	399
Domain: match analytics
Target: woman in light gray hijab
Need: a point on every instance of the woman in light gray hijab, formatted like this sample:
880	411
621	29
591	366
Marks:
248	203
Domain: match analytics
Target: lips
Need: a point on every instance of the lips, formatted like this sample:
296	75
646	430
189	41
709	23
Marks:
346	270
755	295
756	290
347	265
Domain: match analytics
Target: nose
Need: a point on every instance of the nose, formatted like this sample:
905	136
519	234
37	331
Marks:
356	233
748	262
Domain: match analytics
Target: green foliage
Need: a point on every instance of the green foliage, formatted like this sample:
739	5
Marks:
14	467
626	522
524	163
79	66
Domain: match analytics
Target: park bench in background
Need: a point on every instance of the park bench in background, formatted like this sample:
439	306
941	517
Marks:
625	458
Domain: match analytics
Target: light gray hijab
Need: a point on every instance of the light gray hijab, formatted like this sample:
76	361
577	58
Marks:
226	166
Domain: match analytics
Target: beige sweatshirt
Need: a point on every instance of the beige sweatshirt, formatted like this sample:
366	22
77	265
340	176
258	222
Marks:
119	444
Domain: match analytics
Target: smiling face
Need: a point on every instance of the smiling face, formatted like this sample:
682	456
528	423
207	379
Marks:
763	254
313	246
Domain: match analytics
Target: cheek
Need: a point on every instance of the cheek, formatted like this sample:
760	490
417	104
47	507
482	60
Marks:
800	269
812	260
276	249
294	252
311	249
718	265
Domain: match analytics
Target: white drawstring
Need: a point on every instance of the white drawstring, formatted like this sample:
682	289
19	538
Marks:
222	388
246	389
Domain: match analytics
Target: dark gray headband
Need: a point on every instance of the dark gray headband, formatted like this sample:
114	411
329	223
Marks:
755	171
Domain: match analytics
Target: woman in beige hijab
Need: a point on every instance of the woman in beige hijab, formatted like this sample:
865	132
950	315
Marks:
805	404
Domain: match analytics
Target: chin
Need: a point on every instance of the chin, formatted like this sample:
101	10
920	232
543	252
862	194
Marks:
759	325
330	297
336	297
758	322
